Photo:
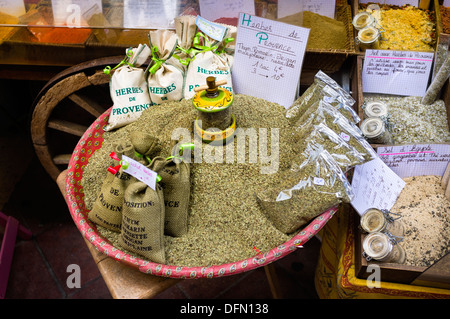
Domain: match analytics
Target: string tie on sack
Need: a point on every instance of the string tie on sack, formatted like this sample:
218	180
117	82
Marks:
157	61
107	70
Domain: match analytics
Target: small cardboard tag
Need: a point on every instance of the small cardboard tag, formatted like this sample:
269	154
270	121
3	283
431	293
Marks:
139	171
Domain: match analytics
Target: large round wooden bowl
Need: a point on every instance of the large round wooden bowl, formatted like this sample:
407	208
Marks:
90	142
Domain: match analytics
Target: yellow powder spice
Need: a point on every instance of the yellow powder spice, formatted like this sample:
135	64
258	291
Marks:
406	28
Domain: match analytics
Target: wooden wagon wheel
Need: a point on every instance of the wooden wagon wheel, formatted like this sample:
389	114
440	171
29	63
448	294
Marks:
65	108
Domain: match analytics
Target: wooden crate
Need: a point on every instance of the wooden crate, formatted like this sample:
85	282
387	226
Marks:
330	61
438	274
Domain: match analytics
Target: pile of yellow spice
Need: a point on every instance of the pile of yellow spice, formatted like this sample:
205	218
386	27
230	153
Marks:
405	28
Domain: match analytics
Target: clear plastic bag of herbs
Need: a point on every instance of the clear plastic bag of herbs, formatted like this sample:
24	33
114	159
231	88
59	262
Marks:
323	112
324	88
321	136
305	191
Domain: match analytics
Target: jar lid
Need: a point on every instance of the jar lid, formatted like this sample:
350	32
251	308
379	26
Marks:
207	104
376	109
372	127
373	220
362	20
377	245
368	35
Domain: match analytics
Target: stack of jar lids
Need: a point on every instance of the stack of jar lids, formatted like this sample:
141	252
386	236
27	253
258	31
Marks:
384	234
368	33
374	126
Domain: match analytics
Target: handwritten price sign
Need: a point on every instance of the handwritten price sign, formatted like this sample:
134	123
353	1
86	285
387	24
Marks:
268	59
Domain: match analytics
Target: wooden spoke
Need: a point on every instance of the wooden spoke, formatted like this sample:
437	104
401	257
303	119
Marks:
68	127
62	159
87	104
65	108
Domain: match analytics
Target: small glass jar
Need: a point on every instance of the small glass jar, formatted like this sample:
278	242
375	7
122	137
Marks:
376	220
375	109
363	20
378	246
374	129
368	38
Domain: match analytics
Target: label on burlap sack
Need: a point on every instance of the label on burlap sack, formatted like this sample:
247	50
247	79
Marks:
107	209
175	181
166	84
142	229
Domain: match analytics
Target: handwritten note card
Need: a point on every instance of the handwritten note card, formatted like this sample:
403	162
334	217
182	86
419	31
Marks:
139	171
322	7
215	9
268	59
396	72
375	185
416	159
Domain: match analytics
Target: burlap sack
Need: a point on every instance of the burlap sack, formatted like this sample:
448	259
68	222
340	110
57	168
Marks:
128	89
142	229
145	144
175	181
165	80
107	209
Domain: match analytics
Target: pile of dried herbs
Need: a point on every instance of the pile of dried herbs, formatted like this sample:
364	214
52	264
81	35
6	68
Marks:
410	121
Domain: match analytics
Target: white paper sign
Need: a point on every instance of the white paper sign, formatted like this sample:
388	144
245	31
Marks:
394	2
12	7
139	171
396	72
74	13
416	159
215	9
375	185
322	7
149	14
268	59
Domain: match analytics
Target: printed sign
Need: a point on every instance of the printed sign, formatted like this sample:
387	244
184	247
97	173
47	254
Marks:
268	59
396	72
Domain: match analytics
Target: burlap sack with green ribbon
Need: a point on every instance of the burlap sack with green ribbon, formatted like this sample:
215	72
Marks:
175	181
145	145
142	229
107	209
